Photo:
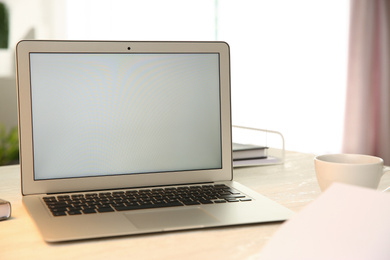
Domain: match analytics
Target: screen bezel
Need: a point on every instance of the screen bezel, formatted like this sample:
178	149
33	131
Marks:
31	186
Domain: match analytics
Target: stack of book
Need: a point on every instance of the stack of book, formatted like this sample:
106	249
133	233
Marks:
251	155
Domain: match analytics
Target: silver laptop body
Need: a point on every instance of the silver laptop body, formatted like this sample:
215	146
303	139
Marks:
99	117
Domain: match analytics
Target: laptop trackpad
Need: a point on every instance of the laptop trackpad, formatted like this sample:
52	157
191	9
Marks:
171	219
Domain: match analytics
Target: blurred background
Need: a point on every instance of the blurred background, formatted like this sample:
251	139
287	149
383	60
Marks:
289	59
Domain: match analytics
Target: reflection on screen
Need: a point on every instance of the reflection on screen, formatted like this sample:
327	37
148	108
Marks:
106	114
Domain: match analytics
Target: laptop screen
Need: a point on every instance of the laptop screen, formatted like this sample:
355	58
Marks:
99	114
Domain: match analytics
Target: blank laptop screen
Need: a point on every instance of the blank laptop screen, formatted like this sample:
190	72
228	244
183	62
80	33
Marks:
124	113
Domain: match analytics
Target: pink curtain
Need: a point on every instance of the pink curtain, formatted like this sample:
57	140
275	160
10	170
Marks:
367	114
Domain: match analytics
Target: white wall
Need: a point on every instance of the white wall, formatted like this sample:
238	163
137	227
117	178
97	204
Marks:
8	102
29	19
45	17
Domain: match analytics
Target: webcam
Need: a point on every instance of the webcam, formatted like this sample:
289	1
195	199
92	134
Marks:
128	48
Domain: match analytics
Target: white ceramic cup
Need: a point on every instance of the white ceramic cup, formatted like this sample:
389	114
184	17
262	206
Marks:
354	169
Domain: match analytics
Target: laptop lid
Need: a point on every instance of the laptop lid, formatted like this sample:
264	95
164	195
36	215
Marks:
97	115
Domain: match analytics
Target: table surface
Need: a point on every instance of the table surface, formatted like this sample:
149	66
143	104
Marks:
292	184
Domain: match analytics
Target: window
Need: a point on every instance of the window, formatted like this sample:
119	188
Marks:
289	58
289	67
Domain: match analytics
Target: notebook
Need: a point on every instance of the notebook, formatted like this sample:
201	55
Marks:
106	125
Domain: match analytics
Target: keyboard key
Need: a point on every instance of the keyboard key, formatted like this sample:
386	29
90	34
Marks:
89	210
191	202
58	213
105	209
74	212
219	201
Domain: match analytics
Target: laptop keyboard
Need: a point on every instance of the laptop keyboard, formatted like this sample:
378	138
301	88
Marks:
90	203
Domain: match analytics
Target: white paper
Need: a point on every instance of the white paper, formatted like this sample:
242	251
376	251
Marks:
345	222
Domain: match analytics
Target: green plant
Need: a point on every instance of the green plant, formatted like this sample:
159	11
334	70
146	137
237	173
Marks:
4	26
9	145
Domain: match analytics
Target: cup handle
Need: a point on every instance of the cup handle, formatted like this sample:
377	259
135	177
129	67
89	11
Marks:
386	169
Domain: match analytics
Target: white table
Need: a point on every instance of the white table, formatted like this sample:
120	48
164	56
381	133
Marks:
292	184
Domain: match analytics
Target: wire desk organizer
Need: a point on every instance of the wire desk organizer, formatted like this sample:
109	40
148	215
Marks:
271	141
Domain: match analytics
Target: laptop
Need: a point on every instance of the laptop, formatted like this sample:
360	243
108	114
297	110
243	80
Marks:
123	138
